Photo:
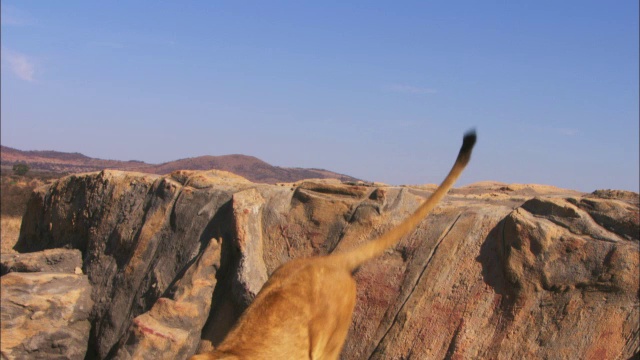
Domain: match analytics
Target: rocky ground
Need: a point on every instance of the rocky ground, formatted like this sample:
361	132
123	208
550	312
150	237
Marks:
128	265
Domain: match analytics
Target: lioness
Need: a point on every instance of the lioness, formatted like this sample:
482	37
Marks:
304	310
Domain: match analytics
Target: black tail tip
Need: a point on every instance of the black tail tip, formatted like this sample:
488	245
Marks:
468	141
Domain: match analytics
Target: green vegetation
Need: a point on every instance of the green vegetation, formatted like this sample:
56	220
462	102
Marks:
20	169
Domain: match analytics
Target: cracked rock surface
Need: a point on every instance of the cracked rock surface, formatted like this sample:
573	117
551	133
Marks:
45	315
497	271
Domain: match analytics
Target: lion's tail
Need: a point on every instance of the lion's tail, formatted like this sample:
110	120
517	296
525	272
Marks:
354	258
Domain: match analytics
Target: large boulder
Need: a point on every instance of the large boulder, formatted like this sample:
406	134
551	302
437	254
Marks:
573	281
496	271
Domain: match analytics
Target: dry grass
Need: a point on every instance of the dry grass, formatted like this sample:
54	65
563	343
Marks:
14	194
10	226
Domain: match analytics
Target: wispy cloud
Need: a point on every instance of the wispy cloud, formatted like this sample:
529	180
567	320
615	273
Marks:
551	130
12	16
564	131
410	89
21	65
107	44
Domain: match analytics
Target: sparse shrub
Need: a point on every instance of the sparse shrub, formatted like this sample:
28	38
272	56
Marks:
20	169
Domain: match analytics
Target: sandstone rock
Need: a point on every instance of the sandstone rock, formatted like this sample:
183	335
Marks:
252	272
53	260
45	316
631	197
497	271
613	215
171	329
575	279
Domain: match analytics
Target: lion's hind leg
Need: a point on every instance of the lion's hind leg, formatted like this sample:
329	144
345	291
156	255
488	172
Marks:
332	315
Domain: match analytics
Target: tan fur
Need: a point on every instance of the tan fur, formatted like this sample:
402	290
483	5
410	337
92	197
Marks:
304	310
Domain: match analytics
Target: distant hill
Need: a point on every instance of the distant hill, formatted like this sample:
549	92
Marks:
249	167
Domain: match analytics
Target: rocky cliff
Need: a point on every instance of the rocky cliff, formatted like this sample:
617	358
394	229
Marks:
497	271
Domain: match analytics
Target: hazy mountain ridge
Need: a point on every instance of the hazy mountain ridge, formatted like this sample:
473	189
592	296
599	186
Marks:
249	167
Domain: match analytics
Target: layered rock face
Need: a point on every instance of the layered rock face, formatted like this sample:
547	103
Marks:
497	271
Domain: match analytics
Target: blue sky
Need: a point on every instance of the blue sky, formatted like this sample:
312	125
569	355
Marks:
378	90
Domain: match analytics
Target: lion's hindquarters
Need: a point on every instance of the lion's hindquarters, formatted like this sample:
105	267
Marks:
332	313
